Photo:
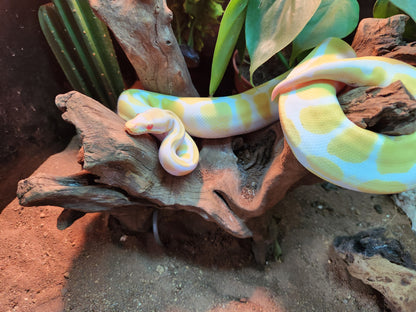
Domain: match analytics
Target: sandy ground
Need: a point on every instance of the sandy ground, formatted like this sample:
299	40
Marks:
82	269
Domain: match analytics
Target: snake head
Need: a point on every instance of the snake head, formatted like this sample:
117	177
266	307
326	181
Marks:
136	127
152	120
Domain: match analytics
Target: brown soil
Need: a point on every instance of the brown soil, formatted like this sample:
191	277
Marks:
88	268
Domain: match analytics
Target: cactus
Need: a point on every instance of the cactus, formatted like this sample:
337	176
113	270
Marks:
83	47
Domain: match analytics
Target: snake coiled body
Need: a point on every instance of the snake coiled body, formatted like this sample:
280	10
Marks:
207	117
318	132
150	112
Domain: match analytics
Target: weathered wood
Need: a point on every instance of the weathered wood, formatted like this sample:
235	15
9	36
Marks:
390	110
384	37
144	32
235	184
224	188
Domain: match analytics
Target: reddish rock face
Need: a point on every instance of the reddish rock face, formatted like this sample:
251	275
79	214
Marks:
30	125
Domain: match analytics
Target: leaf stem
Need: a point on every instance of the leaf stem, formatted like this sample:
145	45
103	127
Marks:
283	60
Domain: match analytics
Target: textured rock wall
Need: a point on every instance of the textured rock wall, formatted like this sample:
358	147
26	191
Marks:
30	124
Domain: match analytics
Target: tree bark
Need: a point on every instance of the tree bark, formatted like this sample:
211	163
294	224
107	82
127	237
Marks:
384	37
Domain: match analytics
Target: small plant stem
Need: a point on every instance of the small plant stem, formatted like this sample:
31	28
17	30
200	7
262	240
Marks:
283	60
191	36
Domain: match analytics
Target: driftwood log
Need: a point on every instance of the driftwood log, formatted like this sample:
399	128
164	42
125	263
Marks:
237	180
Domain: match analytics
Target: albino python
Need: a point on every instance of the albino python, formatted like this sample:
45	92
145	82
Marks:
322	138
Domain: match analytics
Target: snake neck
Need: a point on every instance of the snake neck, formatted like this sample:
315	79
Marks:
174	126
178	153
175	132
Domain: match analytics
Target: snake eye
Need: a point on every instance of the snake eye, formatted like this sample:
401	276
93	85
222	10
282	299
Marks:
149	126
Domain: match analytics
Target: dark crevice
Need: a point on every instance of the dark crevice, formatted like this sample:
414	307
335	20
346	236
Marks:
222	197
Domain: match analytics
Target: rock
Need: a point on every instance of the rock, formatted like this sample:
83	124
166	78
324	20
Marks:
381	263
396	283
407	202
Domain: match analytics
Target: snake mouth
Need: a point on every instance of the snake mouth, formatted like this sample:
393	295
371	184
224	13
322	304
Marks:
133	131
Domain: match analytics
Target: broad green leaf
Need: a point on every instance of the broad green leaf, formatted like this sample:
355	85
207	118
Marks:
407	6
272	24
230	28
334	18
384	8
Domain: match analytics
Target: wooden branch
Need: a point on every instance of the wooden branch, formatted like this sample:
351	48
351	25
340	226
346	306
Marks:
144	32
235	184
384	37
390	110
225	188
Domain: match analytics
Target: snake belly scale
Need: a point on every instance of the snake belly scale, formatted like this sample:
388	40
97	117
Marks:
319	134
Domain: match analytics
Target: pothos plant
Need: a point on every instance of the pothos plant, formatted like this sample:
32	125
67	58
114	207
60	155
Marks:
264	28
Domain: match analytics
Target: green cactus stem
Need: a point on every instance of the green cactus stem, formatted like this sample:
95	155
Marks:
83	47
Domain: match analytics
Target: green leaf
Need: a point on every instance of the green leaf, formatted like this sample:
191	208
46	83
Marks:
384	8
272	24
230	28
407	6
334	18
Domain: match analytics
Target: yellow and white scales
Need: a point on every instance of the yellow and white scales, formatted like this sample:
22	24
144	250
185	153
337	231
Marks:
322	138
